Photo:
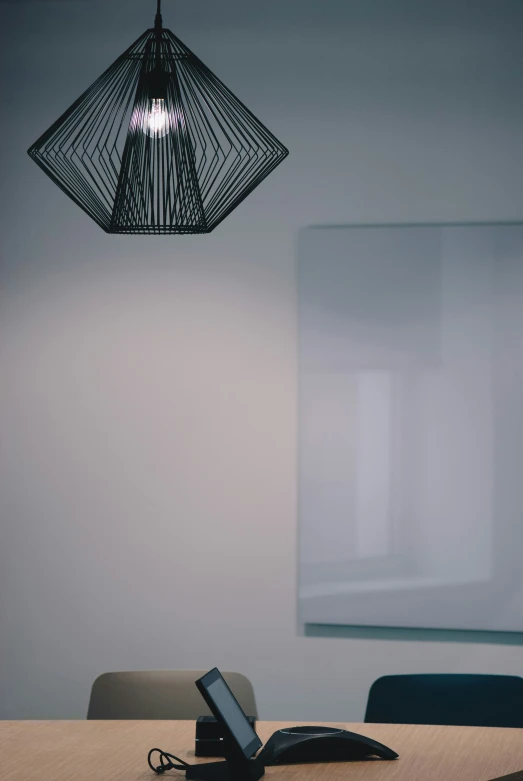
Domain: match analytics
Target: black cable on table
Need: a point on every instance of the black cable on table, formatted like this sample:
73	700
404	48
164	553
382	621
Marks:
165	761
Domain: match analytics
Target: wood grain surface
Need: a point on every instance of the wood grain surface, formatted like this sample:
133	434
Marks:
117	751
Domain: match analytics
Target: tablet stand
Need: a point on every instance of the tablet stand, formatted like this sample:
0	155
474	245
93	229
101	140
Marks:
235	768
240	740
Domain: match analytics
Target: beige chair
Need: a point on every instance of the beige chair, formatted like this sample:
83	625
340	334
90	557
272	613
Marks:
160	694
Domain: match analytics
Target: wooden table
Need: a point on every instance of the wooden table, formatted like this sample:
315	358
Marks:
117	751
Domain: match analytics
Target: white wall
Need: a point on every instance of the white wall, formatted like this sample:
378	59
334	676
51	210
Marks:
148	385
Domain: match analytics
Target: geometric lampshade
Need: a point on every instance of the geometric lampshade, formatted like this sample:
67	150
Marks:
158	144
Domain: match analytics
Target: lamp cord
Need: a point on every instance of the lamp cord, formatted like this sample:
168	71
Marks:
158	19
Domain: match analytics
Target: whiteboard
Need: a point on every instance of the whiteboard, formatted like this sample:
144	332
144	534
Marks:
411	426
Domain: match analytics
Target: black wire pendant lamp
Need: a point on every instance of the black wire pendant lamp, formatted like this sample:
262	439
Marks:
157	145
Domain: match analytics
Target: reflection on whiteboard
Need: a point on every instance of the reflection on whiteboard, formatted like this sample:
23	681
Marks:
411	426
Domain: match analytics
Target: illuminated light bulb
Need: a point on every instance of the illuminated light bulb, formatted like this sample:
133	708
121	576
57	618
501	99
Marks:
156	121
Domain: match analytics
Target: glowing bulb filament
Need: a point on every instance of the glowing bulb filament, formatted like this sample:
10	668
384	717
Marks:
156	120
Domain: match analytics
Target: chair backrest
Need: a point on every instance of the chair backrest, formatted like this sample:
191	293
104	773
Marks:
160	694
461	700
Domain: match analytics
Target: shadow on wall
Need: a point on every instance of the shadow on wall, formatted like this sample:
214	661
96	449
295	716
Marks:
406	634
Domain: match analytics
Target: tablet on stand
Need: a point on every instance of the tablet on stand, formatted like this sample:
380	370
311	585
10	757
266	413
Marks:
240	742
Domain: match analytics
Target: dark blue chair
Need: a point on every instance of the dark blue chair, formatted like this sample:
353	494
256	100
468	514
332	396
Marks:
462	700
